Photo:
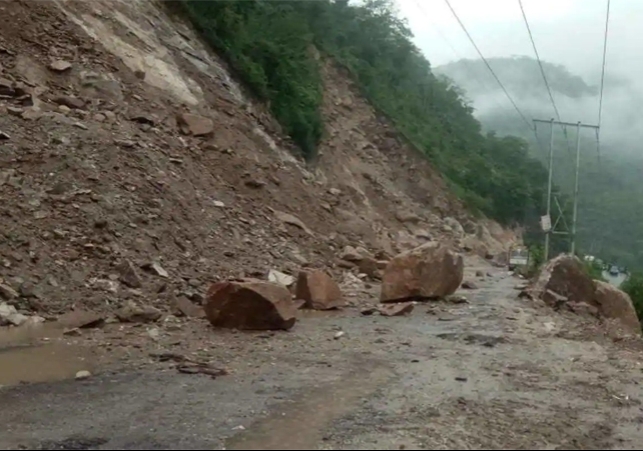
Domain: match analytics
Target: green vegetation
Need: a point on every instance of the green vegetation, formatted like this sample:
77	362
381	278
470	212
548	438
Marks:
273	46
594	270
634	287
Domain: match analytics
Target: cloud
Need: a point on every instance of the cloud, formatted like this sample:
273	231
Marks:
567	32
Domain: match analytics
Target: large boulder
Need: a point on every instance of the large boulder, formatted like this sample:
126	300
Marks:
318	290
563	283
616	304
250	305
429	271
563	276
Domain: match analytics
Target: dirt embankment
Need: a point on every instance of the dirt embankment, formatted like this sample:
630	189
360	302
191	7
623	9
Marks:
95	170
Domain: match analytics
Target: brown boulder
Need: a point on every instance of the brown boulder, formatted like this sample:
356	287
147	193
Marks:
428	271
250	305
195	125
616	304
565	277
563	282
318	290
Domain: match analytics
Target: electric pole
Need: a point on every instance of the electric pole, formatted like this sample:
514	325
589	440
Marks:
547	226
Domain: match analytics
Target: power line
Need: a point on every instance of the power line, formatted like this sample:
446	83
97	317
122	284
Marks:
542	72
488	66
600	101
471	73
540	64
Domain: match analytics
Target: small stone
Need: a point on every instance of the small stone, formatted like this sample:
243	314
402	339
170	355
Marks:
457	299
159	270
33	321
75	332
280	278
128	275
468	285
14	111
195	125
60	66
254	183
132	313
83	375
7	293
339	335
369	311
219	204
396	309
70	102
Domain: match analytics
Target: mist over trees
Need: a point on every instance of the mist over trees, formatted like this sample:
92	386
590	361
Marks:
611	192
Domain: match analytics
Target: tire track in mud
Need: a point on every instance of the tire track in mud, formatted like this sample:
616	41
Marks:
301	425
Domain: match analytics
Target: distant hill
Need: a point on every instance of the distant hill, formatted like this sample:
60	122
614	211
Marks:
611	202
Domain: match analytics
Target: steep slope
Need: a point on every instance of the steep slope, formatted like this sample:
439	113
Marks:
96	172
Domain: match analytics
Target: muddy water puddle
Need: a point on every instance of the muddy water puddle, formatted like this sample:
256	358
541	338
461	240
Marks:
32	355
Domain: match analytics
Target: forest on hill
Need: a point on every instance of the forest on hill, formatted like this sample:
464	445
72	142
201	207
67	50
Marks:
268	44
611	193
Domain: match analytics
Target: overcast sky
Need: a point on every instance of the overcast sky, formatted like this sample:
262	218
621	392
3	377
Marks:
566	31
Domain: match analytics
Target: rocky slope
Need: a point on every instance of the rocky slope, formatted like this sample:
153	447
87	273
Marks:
133	167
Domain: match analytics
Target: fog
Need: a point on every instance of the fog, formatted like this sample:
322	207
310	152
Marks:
566	32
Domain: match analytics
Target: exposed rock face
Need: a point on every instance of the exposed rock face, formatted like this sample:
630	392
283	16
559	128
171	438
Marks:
318	290
250	305
428	271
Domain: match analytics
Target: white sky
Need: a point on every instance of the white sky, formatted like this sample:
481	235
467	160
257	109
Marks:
566	31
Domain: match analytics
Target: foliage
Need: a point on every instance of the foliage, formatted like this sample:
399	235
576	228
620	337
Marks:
594	270
633	286
271	44
268	45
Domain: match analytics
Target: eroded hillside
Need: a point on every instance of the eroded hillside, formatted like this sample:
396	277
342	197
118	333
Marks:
98	171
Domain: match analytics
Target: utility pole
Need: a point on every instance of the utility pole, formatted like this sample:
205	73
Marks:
552	228
549	184
575	214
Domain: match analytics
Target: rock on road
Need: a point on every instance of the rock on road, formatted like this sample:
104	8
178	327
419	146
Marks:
497	372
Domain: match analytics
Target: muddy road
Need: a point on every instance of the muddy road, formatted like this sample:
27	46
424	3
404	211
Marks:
497	372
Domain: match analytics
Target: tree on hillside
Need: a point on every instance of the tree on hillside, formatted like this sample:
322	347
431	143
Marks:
269	44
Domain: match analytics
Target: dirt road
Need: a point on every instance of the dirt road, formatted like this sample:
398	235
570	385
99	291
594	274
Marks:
495	373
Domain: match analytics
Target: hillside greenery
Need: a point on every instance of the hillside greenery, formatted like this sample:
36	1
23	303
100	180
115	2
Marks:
633	286
274	48
611	193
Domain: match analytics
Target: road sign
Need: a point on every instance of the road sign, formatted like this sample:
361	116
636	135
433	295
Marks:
545	223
